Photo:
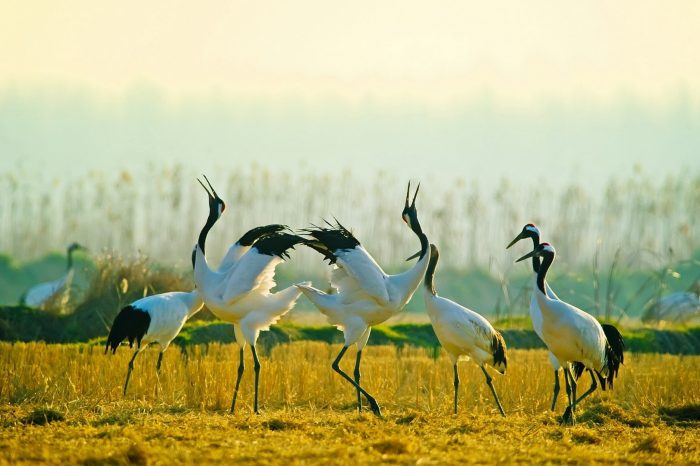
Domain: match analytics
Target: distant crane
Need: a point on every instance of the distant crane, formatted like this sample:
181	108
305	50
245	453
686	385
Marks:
573	335
43	293
611	332
366	295
463	332
240	293
679	308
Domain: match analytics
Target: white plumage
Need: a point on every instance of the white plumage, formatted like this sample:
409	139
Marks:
240	290
42	294
573	335
678	308
531	231
463	332
153	319
366	295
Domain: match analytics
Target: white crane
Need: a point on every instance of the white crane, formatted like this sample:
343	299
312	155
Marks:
366	295
679	308
463	332
241	293
573	335
39	295
611	332
157	318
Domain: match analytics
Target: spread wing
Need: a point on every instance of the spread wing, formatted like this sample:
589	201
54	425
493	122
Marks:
357	271
255	270
240	247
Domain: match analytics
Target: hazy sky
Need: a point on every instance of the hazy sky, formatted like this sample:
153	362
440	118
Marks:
432	51
475	88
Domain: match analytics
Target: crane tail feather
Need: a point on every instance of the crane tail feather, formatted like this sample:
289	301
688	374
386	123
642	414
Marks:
131	323
499	350
614	354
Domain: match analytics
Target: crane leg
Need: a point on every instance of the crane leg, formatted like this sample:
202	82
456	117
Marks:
256	368
456	384
569	416
241	366
357	380
372	402
489	382
591	389
555	392
131	368
160	359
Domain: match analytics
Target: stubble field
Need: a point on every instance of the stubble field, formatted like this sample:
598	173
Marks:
64	404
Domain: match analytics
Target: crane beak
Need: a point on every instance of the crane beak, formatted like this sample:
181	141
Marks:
527	256
515	240
413	256
205	188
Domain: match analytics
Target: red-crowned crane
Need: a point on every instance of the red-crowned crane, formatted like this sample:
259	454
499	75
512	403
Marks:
39	295
611	332
573	335
366	295
241	292
463	332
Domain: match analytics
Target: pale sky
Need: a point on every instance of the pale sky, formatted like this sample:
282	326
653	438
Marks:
429	51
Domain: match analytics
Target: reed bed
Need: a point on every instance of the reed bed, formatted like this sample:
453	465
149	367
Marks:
635	221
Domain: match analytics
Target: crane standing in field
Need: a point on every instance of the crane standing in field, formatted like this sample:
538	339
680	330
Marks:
39	295
572	335
157	318
463	332
240	293
366	295
611	332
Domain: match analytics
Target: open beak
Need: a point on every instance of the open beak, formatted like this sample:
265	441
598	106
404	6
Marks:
515	240
527	256
205	188
408	191
212	194
413	256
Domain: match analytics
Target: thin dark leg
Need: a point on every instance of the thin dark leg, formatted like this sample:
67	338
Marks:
372	402
555	394
493	390
357	380
573	391
591	389
256	367
160	359
456	386
241	366
131	368
569	416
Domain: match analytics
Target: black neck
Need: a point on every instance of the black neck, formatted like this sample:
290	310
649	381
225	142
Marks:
70	259
424	244
542	273
211	220
535	259
430	273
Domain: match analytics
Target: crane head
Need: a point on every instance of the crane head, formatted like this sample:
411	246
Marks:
216	204
528	231
75	247
410	214
541	250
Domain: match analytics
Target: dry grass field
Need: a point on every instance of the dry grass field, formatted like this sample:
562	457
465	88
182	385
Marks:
63	404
